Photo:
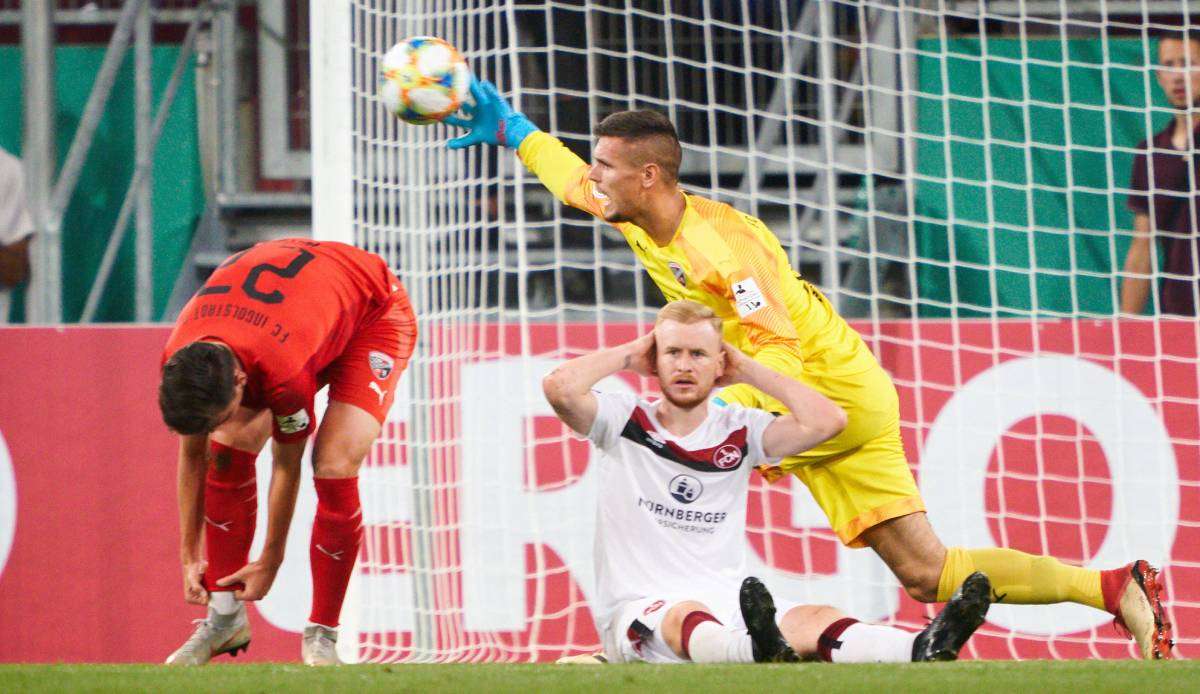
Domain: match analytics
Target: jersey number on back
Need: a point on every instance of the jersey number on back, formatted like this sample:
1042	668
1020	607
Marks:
249	286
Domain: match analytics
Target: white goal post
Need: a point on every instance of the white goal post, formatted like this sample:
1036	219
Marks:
953	174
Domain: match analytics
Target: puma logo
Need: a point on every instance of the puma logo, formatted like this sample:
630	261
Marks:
336	556
375	387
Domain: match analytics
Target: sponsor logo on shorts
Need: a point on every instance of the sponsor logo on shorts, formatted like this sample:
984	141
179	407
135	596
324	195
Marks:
727	456
685	489
654	607
296	421
381	365
677	270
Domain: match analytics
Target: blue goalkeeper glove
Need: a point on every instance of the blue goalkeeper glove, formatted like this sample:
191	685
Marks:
492	120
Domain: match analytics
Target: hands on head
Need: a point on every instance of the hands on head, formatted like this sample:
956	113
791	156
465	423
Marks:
490	120
734	372
642	358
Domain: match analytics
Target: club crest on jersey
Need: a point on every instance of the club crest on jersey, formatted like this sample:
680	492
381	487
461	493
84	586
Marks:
685	489
296	421
677	270
727	457
381	365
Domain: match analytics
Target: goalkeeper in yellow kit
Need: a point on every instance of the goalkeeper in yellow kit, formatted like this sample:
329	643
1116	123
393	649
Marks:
707	251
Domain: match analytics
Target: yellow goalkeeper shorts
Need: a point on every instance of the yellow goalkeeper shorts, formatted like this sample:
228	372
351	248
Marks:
860	477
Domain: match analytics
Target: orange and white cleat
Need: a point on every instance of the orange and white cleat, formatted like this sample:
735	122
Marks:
1134	596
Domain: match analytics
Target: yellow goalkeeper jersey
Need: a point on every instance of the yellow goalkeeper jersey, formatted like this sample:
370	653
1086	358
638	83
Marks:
729	261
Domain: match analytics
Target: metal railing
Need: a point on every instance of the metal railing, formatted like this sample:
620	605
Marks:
49	195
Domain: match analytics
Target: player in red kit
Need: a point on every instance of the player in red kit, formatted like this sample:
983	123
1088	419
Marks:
272	326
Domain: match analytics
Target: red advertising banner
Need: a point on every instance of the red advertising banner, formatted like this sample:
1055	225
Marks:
1076	438
92	568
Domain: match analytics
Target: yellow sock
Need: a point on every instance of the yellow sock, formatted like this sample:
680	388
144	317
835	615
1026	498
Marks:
1021	579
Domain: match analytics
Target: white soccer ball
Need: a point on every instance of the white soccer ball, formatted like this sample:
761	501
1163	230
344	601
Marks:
424	79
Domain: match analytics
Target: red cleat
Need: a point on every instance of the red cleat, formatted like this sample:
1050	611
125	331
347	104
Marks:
1133	595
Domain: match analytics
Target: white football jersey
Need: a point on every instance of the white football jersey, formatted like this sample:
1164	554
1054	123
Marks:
671	516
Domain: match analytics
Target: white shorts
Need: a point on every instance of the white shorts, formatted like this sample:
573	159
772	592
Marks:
633	635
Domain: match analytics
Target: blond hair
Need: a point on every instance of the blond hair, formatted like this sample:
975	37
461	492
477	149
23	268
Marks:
687	312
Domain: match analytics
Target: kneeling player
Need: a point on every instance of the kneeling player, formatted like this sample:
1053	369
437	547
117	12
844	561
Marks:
674	481
272	326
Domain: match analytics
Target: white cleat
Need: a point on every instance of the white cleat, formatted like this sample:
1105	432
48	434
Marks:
319	646
1141	611
213	636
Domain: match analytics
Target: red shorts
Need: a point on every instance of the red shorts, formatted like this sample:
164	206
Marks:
366	373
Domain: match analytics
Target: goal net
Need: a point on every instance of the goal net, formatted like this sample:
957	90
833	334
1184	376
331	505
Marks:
954	175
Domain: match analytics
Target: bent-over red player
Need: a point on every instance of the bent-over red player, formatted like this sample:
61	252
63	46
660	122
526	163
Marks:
272	326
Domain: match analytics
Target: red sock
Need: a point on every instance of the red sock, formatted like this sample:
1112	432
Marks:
690	622
829	638
1111	583
336	536
230	511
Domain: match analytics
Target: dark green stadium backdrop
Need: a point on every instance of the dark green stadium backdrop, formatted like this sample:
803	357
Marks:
988	242
1014	249
178	192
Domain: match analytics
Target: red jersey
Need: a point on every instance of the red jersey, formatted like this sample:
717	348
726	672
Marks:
287	308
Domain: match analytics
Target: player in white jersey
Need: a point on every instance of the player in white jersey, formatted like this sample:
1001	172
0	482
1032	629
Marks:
670	531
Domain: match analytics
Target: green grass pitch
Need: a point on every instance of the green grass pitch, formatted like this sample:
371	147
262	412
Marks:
1075	677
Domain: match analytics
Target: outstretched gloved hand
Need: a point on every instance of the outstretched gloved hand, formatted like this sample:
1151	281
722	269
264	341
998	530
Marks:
492	121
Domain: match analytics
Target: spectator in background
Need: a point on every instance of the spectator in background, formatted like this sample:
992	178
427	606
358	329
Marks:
16	228
1166	185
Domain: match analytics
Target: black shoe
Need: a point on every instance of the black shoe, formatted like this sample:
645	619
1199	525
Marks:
961	616
758	611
